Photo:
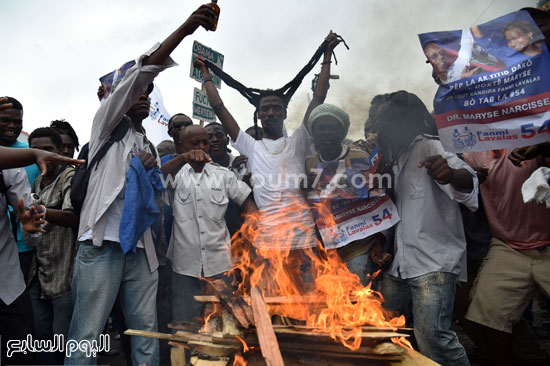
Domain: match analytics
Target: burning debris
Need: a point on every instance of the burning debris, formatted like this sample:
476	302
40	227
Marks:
322	313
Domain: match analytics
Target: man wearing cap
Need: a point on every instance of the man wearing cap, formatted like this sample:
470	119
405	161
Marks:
101	267
329	124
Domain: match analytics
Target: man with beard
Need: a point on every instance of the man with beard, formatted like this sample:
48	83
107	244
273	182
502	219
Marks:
329	126
101	269
276	161
429	244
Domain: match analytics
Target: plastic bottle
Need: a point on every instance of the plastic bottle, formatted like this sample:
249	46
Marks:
216	8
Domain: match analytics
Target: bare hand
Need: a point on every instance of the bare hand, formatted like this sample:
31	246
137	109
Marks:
204	16
196	156
520	154
481	173
44	158
4	103
100	92
147	160
376	253
438	168
30	219
199	64
239	161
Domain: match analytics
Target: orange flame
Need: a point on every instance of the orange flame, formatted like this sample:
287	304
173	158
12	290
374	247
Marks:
342	305
245	346
239	360
206	326
402	341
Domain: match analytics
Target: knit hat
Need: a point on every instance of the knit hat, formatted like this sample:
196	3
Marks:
328	110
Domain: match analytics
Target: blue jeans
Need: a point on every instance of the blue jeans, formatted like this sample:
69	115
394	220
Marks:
432	297
51	317
99	274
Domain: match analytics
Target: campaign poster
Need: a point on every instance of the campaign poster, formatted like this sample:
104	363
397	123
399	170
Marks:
494	84
111	80
346	206
156	125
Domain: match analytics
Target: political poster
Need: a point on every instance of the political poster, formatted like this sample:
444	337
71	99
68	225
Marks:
494	84
156	124
346	207
202	109
111	80
209	54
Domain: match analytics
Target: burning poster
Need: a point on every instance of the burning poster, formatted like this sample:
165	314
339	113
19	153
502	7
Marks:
156	124
346	207
494	84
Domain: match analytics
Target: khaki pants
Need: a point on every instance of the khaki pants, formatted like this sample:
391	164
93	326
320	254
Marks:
506	284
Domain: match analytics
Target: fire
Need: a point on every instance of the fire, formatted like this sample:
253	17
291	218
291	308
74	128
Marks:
402	341
342	305
206	326
239	360
245	346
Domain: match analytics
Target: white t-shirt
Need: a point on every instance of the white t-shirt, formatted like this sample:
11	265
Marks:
277	167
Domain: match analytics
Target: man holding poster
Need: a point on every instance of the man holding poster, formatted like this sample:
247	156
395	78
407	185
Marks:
342	178
494	84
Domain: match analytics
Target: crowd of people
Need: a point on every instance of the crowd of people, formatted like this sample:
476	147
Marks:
153	221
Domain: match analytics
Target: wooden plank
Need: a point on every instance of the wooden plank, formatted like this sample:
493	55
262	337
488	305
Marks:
177	356
216	350
232	301
196	361
264	329
144	333
365	328
348	355
364	335
414	358
334	350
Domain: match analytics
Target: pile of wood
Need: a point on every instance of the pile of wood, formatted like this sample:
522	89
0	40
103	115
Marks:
259	342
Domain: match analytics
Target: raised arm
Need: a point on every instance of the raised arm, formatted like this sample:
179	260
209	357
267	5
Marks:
204	16
320	92
216	102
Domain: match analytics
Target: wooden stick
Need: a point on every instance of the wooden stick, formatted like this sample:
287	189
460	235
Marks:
232	301
264	329
144	333
364	335
365	328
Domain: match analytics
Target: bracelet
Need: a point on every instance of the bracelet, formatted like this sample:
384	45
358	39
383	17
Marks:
326	62
207	79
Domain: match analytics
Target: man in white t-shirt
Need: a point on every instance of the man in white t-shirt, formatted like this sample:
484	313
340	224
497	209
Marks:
276	161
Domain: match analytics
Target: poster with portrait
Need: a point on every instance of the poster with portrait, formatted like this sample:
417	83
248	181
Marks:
494	84
347	206
156	124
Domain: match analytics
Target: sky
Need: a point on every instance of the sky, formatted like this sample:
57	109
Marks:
55	51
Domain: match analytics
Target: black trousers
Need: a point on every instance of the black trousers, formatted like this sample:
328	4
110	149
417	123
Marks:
16	322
